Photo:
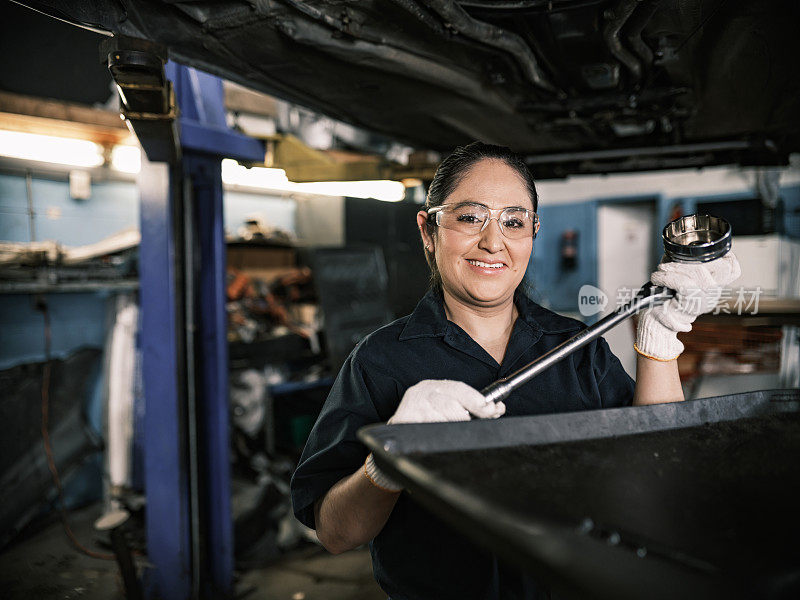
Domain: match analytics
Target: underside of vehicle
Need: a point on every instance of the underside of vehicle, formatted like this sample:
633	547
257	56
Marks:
578	86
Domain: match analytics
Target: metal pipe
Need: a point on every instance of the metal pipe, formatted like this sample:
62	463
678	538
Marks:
115	523
616	19
398	61
421	14
433	23
400	58
647	297
646	151
127	568
461	22
636	24
527	6
499	4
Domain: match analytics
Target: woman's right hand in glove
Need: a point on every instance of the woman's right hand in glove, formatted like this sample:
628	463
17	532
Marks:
434	401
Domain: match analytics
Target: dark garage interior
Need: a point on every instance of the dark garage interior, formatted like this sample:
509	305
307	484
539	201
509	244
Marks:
258	343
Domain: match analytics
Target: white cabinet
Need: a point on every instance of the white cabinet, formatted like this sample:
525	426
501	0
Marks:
771	262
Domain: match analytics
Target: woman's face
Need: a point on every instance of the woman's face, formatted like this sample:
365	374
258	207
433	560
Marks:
461	258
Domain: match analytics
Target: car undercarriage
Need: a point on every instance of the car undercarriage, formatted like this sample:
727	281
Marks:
578	86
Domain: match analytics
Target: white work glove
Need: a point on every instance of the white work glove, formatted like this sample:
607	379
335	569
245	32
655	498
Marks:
699	287
434	401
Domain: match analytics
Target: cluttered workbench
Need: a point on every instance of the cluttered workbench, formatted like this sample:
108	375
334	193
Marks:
692	499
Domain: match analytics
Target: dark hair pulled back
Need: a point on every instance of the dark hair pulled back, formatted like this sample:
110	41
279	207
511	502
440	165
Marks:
455	167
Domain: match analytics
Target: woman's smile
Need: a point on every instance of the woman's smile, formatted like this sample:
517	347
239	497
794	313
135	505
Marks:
487	267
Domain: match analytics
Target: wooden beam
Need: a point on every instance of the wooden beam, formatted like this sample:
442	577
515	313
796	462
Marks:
305	164
64	119
241	99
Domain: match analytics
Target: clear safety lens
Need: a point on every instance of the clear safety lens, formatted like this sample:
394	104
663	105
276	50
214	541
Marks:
471	218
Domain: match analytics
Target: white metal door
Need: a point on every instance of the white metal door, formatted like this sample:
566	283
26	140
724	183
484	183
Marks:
624	255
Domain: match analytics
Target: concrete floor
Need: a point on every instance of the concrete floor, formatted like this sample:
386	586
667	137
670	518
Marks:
46	566
320	576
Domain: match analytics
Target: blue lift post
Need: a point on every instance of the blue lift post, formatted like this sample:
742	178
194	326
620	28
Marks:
166	476
183	338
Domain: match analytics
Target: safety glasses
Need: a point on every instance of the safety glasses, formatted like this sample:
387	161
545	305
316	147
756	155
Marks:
472	218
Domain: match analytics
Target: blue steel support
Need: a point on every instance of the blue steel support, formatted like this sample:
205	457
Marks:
187	471
166	476
205	178
205	140
203	124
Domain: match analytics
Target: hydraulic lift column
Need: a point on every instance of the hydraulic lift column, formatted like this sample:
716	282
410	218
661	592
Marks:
183	325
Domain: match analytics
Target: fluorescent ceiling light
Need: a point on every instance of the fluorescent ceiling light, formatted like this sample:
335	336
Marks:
235	174
390	191
46	148
275	179
127	159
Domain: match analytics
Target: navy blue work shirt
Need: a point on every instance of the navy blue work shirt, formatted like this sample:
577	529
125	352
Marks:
416	556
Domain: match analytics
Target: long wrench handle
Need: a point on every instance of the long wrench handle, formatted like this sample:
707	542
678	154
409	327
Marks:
647	297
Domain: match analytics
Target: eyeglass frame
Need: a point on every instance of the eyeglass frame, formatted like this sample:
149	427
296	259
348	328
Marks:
494	213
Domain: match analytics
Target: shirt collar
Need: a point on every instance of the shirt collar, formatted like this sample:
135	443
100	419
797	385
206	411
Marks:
429	319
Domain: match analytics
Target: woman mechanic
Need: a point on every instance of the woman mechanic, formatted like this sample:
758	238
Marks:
473	327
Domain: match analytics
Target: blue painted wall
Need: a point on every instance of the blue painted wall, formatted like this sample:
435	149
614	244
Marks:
113	206
13	209
77	320
276	211
553	286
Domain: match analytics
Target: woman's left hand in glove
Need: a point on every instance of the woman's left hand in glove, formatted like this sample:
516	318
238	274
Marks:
698	288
